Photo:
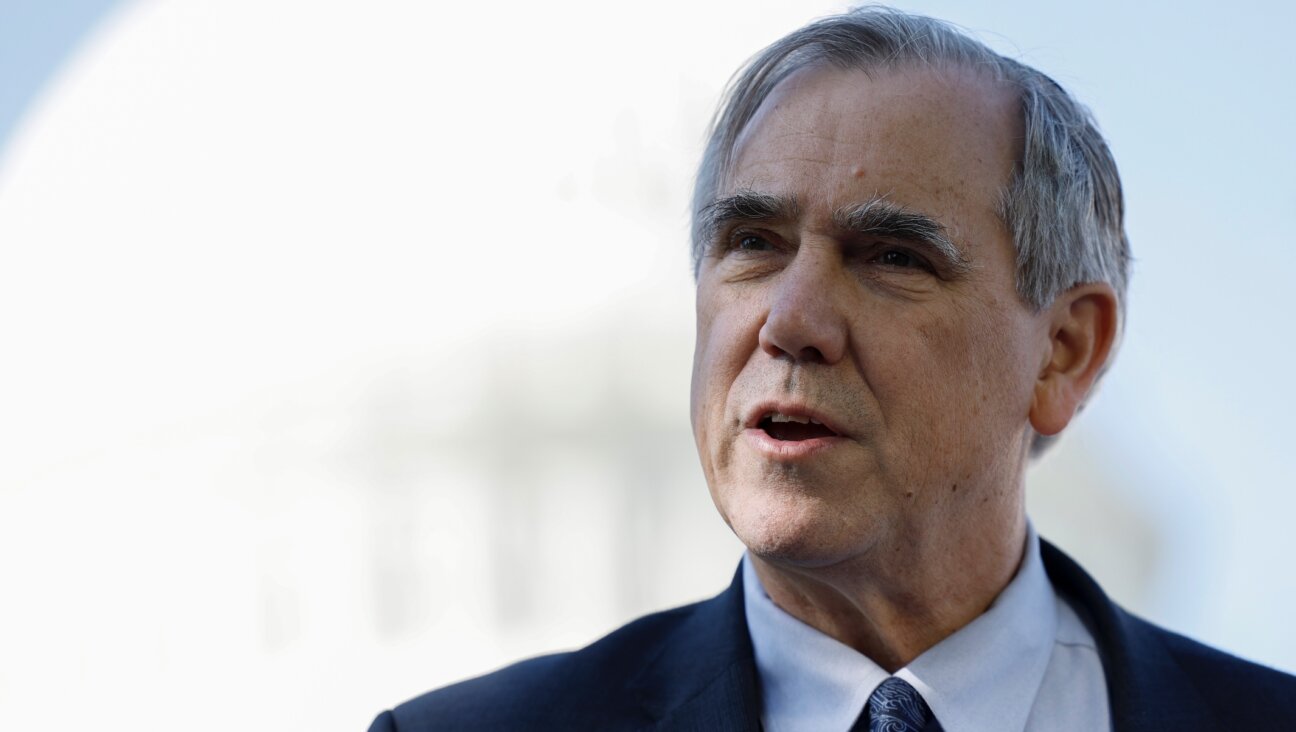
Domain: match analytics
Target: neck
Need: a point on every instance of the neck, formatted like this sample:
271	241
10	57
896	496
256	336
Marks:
905	594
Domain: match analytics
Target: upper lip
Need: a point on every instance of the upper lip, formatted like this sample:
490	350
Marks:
762	410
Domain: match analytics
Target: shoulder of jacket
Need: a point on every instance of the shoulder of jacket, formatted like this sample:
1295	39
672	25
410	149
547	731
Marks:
587	686
1229	684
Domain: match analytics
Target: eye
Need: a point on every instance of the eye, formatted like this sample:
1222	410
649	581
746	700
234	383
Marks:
901	259
751	243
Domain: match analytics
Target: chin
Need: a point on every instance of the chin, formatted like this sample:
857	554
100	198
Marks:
798	529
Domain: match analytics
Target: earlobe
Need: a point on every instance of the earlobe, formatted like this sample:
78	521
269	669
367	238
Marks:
1082	331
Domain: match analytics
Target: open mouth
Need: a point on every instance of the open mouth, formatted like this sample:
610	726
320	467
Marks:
793	428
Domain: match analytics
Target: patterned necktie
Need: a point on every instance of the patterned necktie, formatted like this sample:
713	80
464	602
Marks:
895	706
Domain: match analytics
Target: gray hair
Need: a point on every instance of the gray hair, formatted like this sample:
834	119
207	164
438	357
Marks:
1063	206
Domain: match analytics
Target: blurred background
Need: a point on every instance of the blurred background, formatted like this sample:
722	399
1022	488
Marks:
344	347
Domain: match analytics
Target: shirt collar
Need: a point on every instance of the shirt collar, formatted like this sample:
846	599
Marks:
983	677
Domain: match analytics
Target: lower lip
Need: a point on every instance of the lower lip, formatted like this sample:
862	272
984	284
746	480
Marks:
789	449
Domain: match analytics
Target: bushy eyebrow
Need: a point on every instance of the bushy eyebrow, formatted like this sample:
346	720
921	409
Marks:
744	205
882	218
876	217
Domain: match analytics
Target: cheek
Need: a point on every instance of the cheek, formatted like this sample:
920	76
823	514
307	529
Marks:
952	380
726	339
999	362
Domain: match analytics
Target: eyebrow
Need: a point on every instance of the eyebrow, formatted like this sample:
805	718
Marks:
874	217
744	205
880	217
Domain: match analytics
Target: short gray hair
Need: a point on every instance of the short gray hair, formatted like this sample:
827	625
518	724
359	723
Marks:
1063	206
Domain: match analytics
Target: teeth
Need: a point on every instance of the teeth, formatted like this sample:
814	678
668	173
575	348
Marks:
778	417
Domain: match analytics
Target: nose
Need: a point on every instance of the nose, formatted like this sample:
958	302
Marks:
805	321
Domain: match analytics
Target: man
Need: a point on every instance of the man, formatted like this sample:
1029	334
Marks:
911	268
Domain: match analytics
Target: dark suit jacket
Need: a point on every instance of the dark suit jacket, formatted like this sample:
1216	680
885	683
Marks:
692	668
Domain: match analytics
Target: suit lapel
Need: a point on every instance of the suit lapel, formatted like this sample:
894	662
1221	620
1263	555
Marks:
1146	688
727	704
704	678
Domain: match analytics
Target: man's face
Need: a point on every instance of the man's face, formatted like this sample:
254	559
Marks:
859	277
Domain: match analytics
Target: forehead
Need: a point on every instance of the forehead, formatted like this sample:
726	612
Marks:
941	140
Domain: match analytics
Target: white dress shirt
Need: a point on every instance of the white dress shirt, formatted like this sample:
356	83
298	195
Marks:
1027	663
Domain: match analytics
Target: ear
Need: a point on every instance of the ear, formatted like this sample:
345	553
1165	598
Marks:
1082	330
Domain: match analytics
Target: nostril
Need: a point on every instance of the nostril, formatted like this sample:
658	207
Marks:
785	348
811	354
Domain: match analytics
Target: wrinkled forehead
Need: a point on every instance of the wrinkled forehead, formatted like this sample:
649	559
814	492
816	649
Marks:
949	125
